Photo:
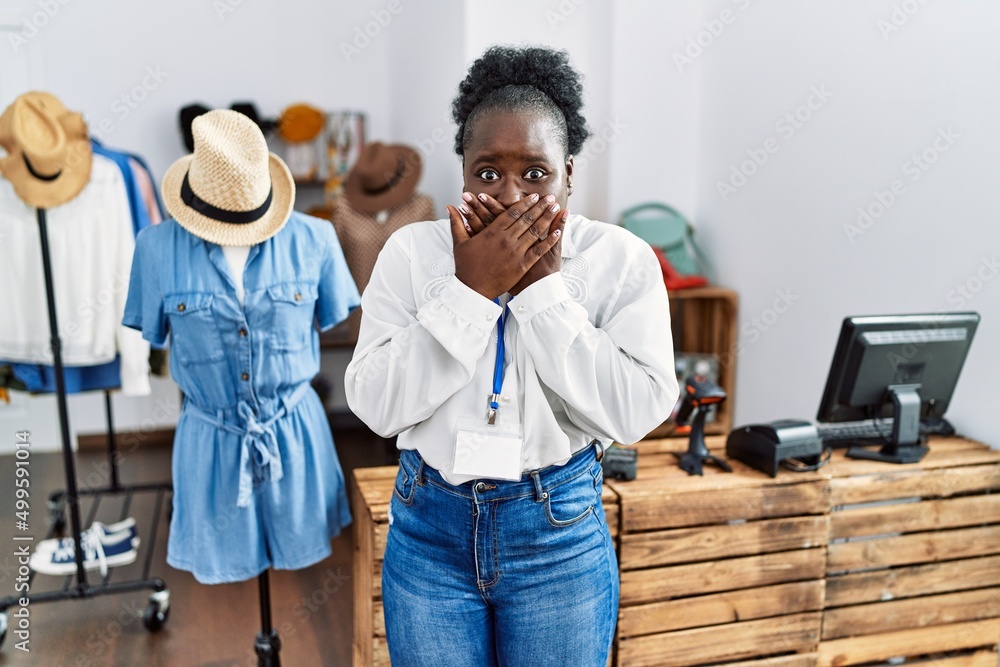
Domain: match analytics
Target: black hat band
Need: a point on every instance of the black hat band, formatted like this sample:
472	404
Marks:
41	177
236	217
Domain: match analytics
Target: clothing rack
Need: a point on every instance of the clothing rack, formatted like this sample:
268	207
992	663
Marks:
158	610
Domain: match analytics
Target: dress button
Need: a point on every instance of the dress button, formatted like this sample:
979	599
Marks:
181	307
505	398
245	376
243	333
298	297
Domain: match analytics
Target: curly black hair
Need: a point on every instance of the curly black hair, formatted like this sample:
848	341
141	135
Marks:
536	78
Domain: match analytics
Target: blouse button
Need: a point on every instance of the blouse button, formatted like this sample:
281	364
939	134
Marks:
245	377
520	309
298	297
243	333
181	307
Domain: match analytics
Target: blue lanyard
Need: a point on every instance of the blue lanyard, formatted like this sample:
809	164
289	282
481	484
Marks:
494	398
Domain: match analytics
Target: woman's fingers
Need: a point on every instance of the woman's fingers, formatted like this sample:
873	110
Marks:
460	230
539	228
555	235
478	214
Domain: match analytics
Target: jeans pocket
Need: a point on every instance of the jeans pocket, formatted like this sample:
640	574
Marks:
571	502
405	485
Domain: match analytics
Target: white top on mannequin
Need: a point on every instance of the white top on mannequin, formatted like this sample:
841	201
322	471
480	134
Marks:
236	257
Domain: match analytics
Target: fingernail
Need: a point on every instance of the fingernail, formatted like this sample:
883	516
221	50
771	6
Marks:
467	196
566	214
534	198
557	233
468	228
482	197
463	210
554	208
549	199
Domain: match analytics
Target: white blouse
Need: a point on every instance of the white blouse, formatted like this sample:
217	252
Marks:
91	244
589	352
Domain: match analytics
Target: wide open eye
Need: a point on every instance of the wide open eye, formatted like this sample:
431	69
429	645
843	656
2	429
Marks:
534	174
488	175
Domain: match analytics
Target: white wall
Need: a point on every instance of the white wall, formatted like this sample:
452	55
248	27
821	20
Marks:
683	125
200	51
580	27
783	230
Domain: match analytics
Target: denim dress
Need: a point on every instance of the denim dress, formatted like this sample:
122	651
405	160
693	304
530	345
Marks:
257	481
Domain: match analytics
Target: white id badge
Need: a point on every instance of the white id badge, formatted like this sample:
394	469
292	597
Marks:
482	450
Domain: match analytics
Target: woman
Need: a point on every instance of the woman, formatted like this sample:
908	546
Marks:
504	346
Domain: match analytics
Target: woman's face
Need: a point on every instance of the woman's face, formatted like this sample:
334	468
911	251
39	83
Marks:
513	154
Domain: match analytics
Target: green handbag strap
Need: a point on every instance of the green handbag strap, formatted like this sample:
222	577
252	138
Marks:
653	206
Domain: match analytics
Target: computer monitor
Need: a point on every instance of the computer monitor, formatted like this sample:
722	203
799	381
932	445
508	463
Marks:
903	367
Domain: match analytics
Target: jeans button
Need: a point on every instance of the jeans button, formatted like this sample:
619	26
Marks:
480	487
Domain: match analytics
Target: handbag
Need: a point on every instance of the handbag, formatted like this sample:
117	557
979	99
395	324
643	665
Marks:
667	230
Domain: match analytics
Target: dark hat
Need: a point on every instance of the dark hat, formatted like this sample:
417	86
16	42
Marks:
384	176
249	110
186	117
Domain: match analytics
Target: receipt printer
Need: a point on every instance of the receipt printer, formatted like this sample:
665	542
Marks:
765	446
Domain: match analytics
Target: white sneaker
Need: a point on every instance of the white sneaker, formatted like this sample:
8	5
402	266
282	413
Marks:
101	550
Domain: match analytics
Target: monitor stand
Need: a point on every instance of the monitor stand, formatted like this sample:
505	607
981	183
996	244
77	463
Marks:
906	445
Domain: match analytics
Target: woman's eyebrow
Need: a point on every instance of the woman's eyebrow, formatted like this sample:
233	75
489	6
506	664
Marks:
496	157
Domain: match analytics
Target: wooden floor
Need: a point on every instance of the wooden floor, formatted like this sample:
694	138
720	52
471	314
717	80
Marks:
208	625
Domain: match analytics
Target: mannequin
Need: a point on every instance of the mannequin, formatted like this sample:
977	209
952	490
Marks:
236	258
240	282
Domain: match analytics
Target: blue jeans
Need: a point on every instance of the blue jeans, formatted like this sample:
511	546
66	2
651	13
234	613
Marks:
499	573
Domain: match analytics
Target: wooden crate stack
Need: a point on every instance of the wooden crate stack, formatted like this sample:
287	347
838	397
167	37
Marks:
371	494
704	320
723	567
914	560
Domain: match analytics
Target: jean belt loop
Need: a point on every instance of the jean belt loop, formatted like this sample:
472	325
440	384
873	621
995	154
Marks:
418	476
540	494
598	448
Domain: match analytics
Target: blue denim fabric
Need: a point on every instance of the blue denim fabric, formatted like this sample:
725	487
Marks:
257	481
500	573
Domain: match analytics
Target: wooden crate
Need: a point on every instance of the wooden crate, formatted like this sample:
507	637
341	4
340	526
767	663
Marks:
704	320
719	568
370	505
913	569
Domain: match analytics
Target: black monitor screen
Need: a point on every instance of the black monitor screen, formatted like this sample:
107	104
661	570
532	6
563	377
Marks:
875	353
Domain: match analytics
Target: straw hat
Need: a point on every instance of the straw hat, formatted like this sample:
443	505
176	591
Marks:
384	176
231	190
48	150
